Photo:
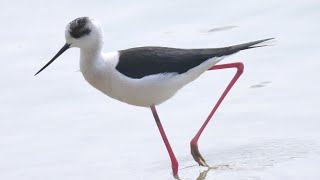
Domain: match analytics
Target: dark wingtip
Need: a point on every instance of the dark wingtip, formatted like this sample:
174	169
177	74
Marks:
263	40
262	43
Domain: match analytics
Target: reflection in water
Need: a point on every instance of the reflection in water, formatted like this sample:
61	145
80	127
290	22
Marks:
203	174
256	157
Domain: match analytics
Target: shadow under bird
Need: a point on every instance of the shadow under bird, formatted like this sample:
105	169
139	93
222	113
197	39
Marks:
147	76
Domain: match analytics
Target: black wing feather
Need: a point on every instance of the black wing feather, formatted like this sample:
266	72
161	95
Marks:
143	61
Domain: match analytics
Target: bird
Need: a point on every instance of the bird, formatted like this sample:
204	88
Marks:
147	76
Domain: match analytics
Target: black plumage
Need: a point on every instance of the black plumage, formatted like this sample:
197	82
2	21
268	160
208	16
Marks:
143	61
78	27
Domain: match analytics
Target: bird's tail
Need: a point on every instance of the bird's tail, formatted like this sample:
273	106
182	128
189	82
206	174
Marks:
250	45
225	51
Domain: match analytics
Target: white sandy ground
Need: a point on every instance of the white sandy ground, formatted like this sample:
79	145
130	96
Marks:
55	126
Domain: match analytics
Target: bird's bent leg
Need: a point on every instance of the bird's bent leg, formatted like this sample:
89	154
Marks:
194	142
174	162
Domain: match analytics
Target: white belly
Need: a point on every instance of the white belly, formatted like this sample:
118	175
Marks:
147	91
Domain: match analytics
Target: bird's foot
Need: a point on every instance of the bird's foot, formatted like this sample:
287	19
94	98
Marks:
176	176
197	156
175	169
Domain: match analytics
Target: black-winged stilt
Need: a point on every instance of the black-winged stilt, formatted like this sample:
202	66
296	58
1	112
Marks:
147	76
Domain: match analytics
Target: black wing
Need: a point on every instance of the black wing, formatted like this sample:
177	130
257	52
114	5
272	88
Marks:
143	61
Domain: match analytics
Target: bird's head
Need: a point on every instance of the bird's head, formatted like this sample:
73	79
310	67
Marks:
82	32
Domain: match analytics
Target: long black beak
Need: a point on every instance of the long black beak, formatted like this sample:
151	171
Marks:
63	49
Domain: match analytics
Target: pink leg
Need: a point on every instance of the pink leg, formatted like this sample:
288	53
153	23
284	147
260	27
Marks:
174	162
194	142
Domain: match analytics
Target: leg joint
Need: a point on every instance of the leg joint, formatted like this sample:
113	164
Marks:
240	67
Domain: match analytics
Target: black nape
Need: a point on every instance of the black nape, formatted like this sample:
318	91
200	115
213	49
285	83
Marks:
78	27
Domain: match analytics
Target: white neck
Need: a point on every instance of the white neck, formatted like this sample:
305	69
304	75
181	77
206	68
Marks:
93	67
88	58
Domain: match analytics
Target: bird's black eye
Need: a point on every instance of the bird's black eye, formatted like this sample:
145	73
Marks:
78	27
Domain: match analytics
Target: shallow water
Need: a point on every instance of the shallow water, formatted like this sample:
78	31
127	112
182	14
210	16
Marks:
55	126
